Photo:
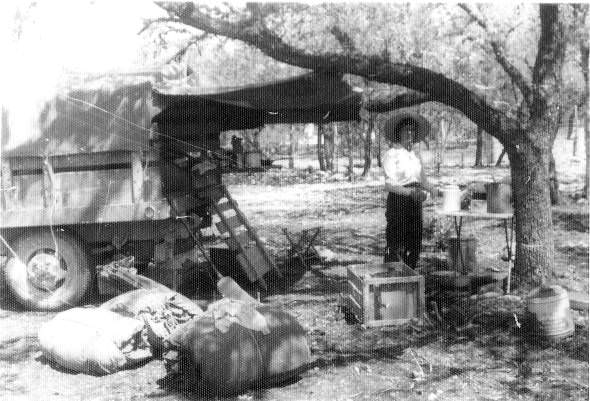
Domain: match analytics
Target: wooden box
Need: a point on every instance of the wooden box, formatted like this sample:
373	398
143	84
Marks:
384	294
253	159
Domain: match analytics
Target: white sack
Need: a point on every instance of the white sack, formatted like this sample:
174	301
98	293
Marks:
88	340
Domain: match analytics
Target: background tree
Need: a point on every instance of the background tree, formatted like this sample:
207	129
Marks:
292	147
441	136
368	128
330	138
583	35
347	133
527	131
478	148
320	147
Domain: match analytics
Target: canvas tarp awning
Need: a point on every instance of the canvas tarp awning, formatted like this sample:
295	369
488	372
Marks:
310	98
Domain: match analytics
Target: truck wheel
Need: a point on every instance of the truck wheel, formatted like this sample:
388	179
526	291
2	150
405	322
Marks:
48	274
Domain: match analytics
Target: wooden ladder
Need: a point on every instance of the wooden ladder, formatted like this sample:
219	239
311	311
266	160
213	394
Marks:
242	238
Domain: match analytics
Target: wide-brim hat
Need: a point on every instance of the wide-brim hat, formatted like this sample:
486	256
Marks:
398	120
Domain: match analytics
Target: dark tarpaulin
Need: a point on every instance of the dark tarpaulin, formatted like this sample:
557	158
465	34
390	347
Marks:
310	98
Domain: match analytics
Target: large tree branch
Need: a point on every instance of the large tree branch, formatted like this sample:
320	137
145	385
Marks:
438	87
381	104
551	44
549	61
515	75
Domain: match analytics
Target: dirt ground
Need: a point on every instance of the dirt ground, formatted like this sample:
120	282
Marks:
490	358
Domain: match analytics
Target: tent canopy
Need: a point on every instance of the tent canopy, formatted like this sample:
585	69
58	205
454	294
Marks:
309	98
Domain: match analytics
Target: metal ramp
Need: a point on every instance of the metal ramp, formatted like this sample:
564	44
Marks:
207	192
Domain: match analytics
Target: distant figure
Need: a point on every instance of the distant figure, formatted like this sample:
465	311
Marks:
405	183
237	149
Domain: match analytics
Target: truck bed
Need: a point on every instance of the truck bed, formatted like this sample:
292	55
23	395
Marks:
101	187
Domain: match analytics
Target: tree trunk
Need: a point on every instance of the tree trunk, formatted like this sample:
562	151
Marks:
333	149
292	148
584	51
256	139
553	183
441	142
379	163
587	141
320	148
573	129
329	139
348	131
534	229
570	123
478	147
367	146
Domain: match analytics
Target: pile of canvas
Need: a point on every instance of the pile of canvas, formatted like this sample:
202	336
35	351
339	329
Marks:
234	346
122	332
237	343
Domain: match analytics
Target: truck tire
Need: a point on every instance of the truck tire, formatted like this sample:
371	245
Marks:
40	280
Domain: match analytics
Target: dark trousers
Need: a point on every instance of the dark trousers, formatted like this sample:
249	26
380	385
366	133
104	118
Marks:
404	229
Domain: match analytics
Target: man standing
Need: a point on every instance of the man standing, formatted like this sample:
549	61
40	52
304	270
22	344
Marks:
405	183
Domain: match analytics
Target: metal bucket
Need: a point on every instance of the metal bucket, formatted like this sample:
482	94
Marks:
463	262
550	308
451	198
498	197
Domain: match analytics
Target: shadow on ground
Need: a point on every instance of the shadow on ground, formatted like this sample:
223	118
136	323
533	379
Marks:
18	349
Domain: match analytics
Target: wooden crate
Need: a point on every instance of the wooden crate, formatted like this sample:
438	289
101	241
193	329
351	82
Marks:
253	159
384	294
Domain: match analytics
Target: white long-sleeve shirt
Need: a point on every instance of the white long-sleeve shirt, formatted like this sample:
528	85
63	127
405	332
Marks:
401	167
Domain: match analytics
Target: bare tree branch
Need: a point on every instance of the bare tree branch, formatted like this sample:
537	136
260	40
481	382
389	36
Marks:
475	17
513	72
179	54
344	39
147	24
512	29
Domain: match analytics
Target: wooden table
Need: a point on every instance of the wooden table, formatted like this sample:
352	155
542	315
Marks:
477	214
